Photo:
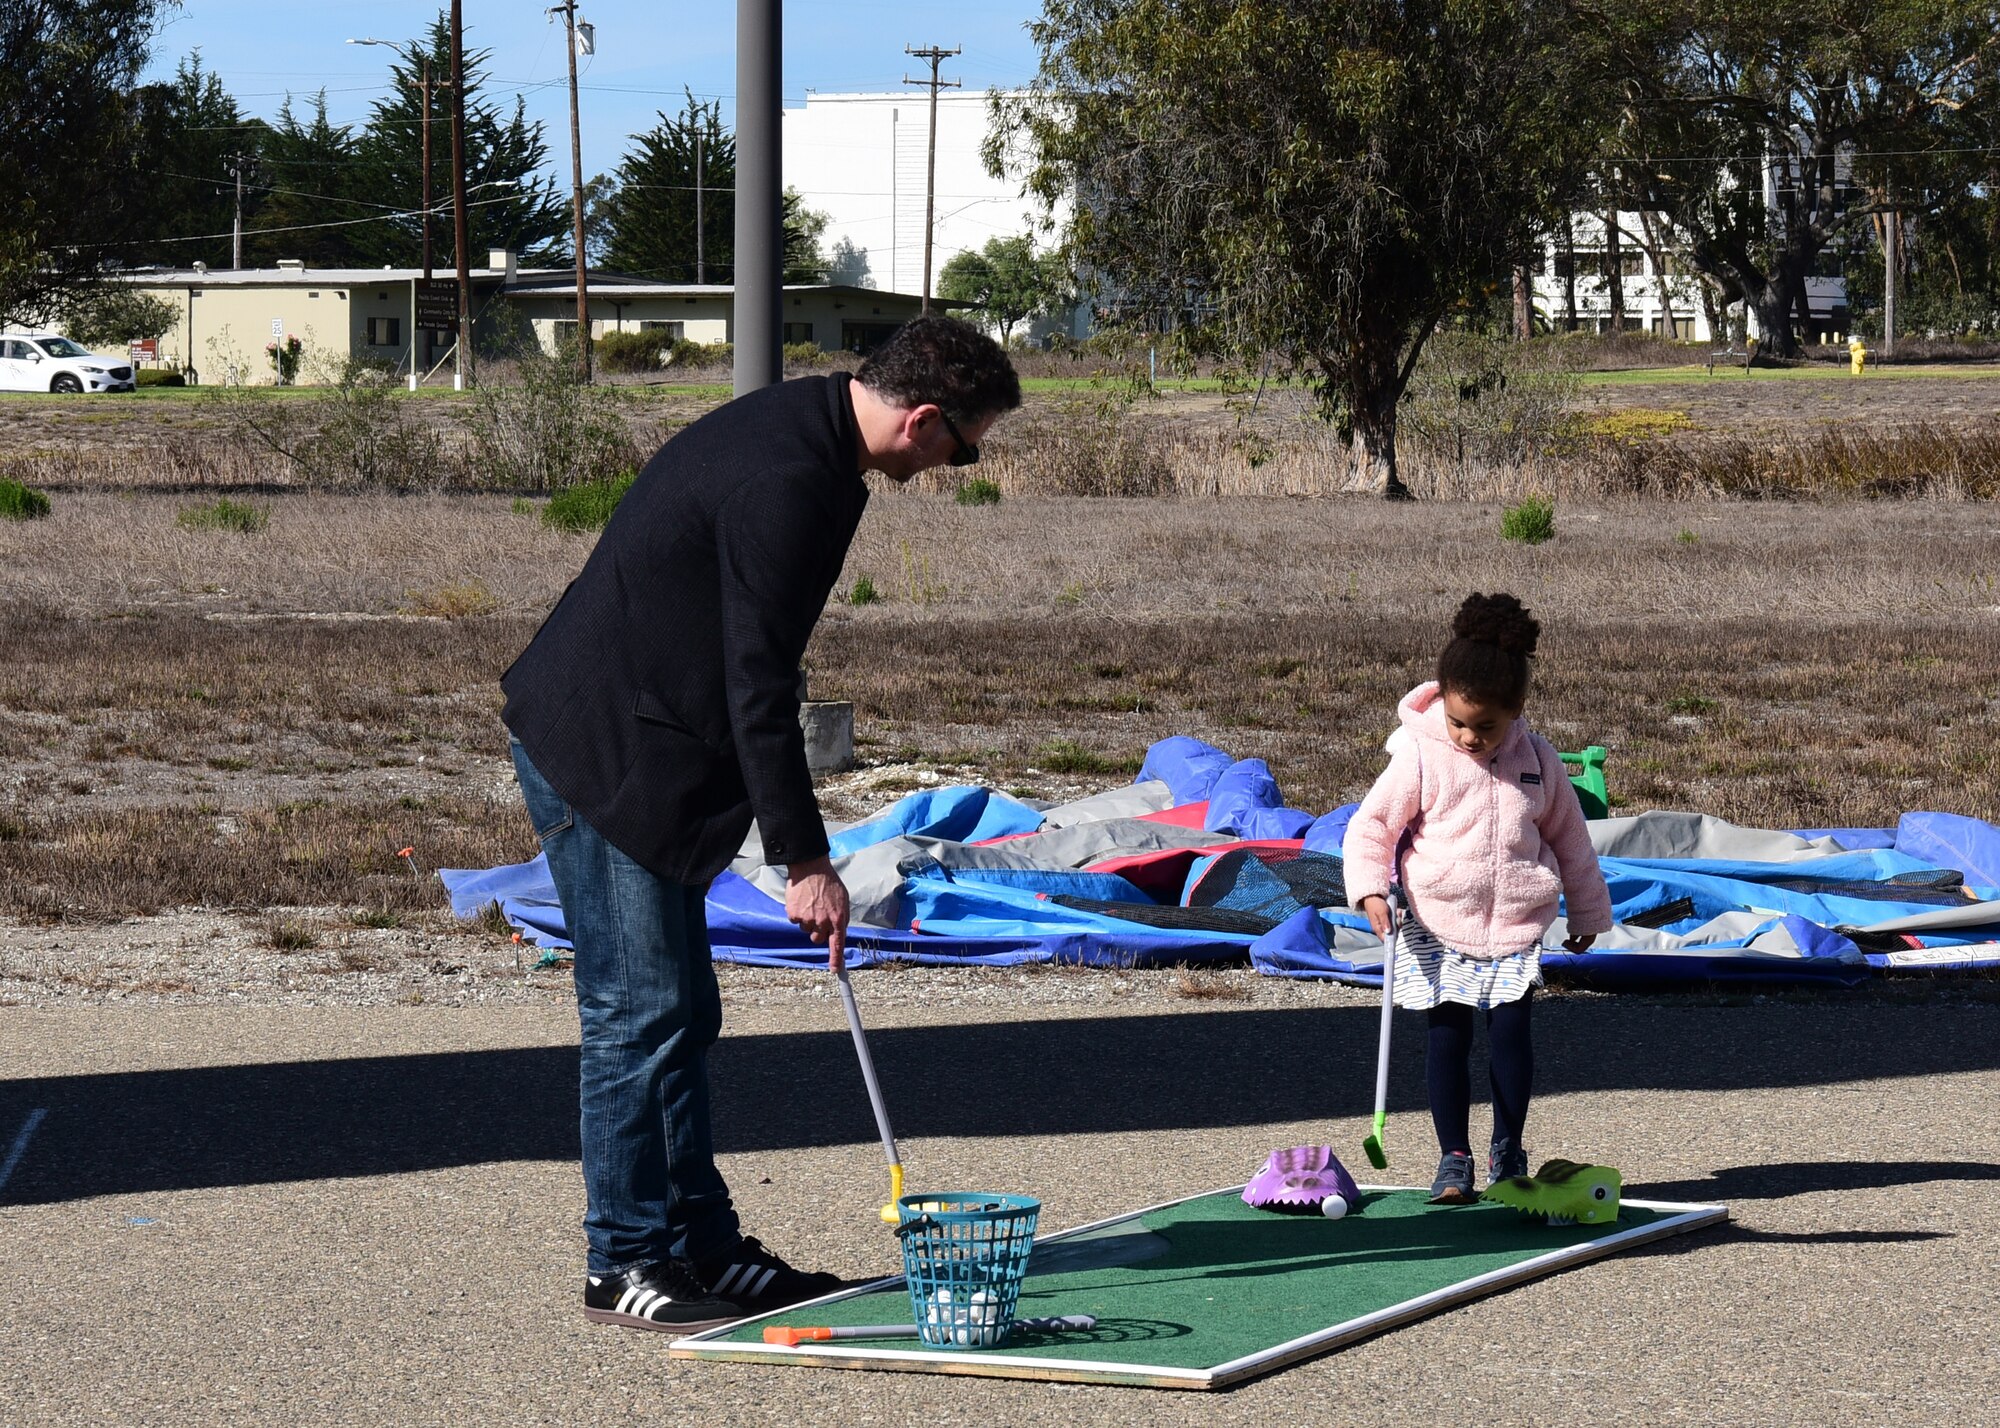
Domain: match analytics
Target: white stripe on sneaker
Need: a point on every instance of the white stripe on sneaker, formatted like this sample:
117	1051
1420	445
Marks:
763	1279
644	1308
625	1299
727	1284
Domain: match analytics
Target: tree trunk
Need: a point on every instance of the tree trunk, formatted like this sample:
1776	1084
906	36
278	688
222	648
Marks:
1524	304
1773	301
1712	310
1656	254
1569	273
1373	448
1614	270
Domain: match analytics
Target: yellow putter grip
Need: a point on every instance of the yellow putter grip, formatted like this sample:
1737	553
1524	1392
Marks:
890	1214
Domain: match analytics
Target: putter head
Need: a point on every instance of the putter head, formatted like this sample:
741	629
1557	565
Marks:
890	1216
1372	1147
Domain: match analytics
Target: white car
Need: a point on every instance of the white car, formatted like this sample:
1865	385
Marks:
44	362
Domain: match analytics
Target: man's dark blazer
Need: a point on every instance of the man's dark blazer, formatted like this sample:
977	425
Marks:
660	697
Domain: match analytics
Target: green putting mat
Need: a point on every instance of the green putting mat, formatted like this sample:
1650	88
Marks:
1206	1291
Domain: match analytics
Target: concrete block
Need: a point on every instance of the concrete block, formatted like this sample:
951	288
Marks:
829	730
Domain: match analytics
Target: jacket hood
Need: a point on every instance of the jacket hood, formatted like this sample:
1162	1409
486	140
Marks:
1422	715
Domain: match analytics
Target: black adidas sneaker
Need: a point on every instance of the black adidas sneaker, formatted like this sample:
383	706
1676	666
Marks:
752	1276
665	1296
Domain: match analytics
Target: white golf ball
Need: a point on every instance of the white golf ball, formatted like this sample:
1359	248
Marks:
1333	1207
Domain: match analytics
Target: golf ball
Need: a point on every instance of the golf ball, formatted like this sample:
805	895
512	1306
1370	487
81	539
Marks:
1333	1207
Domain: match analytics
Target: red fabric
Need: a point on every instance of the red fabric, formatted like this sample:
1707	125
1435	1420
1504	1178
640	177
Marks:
1161	875
1187	815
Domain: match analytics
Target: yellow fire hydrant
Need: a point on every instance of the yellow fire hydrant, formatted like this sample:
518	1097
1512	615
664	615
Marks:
1857	356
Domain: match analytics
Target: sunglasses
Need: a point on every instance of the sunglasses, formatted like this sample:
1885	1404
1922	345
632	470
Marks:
967	453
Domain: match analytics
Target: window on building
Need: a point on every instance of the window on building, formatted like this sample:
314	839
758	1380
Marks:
672	331
798	332
564	331
385	331
1588	261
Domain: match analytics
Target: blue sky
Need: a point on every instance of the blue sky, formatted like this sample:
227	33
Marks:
646	53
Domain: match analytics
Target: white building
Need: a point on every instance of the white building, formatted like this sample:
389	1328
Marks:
1662	293
862	160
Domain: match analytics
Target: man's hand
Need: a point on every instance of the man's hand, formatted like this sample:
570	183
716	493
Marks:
817	902
1376	910
1579	943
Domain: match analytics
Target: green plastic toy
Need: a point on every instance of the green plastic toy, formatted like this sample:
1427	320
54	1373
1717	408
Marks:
1563	1192
1587	777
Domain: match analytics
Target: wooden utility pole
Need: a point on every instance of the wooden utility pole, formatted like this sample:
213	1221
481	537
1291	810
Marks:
461	240
589	46
700	249
936	56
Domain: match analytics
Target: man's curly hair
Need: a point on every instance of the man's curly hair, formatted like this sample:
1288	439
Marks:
943	361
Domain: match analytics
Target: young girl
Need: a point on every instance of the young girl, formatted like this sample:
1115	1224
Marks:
1477	820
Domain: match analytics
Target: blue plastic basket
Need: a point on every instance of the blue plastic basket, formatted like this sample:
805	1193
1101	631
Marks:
963	1258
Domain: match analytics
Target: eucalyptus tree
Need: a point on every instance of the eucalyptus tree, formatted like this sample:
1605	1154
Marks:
1319	181
1769	132
69	151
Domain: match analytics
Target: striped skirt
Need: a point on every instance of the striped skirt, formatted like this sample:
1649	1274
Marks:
1428	973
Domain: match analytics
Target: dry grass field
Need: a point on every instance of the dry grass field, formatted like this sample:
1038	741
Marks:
253	724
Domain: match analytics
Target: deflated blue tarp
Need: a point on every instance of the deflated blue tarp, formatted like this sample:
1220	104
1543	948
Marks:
1805	920
958	814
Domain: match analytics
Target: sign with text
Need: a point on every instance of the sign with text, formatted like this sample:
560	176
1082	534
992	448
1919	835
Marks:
146	349
437	304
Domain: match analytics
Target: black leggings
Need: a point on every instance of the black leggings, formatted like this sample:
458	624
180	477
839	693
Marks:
1511	1058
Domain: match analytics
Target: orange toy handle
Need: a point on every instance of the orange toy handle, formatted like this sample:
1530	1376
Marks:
790	1335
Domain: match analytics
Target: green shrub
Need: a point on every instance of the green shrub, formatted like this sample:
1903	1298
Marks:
701	354
224	515
159	377
523	506
630	351
21	503
546	429
863	592
587	505
978	491
1530	521
806	354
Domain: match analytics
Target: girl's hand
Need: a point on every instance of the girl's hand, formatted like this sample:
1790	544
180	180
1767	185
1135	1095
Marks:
1579	944
1376	910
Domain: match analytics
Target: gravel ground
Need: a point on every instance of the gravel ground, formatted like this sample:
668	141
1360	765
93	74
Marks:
280	1213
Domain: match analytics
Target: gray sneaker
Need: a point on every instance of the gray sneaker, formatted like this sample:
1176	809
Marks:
1453	1185
1505	1161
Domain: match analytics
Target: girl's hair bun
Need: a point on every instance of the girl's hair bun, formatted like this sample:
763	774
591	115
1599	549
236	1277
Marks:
1492	639
1497	620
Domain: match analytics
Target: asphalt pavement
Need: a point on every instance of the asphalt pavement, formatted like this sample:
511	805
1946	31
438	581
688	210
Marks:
369	1215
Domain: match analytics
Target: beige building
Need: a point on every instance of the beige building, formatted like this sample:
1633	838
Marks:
227	319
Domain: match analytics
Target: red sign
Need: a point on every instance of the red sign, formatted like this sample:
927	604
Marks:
147	350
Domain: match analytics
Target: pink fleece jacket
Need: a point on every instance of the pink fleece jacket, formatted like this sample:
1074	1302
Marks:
1495	837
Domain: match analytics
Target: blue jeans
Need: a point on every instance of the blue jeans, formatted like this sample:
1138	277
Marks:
650	1009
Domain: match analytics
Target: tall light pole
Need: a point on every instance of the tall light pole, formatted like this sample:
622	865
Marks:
581	37
760	219
936	56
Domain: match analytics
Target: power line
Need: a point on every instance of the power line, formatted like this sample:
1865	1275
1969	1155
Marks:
288	228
